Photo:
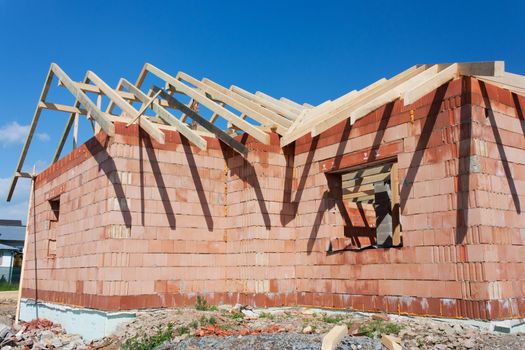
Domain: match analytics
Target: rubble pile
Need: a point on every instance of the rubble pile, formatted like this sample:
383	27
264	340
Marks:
39	334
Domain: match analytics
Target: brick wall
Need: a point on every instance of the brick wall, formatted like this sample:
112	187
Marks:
168	222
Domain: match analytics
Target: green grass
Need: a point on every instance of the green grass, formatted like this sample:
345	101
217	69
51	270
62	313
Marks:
183	330
194	324
202	305
237	315
375	328
267	315
332	319
146	342
204	321
4	286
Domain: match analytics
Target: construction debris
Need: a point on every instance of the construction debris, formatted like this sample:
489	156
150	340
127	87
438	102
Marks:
332	339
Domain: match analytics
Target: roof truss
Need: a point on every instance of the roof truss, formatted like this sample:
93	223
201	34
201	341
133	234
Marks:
253	113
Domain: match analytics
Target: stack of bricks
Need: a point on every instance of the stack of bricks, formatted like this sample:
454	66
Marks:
149	225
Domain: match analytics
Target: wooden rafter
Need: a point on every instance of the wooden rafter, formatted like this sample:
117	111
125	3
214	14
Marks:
172	102
235	103
151	128
265	103
166	116
273	116
201	98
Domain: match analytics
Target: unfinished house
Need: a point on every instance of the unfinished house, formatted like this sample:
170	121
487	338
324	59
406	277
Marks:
405	197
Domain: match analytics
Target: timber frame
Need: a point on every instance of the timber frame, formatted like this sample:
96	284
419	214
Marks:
256	114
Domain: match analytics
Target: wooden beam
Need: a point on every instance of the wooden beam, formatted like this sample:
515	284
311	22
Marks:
130	111
167	116
293	104
392	94
94	89
146	103
265	103
217	95
328	109
61	108
221	135
509	81
72	119
492	68
275	117
29	138
91	108
432	83
215	107
286	106
373	99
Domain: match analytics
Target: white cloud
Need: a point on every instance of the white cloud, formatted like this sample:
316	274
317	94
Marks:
43	137
14	133
17	208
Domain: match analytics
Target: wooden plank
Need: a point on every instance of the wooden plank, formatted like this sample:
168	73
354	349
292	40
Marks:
26	245
390	342
130	111
215	107
492	68
449	73
265	103
392	94
322	114
91	108
356	195
94	89
358	188
363	199
275	117
29	138
366	171
509	81
146	103
293	103
396	224
61	108
75	131
511	88
167	116
221	135
72	118
215	94
363	180
285	106
373	99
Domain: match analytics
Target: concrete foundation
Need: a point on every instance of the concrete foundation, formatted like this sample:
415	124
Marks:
90	324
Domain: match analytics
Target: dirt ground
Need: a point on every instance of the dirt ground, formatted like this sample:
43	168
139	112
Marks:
239	327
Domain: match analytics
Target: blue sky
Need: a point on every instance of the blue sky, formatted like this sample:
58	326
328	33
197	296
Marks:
308	51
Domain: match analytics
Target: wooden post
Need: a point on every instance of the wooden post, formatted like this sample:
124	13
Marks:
24	251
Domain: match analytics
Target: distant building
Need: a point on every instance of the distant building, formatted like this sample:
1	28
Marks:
12	234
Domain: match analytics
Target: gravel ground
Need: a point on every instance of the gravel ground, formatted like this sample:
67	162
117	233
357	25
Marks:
284	341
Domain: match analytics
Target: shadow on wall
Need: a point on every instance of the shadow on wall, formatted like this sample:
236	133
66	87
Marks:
145	143
107	165
198	183
246	172
489	113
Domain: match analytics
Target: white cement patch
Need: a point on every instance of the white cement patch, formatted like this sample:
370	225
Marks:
90	324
